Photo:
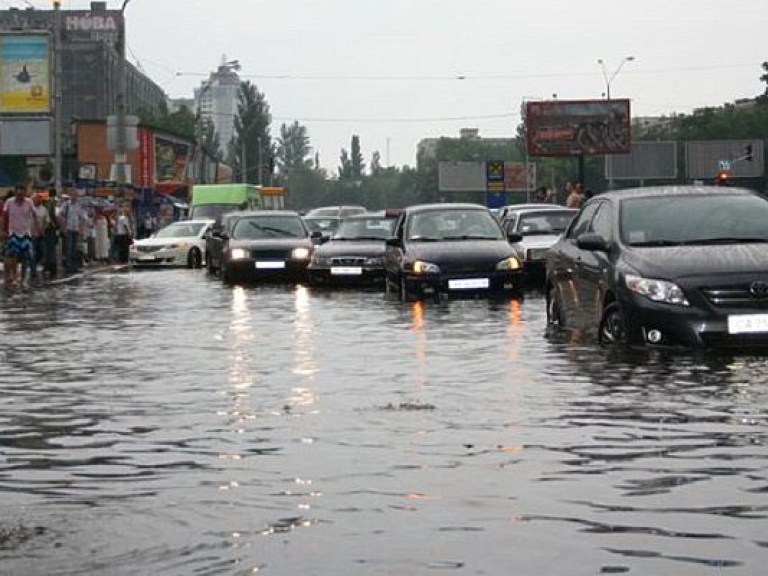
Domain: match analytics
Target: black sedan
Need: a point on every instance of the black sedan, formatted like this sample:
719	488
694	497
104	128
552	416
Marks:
264	245
355	254
666	266
453	249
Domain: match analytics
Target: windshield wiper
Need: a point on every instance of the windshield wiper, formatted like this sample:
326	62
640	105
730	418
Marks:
659	242
425	239
472	237
726	240
358	238
270	229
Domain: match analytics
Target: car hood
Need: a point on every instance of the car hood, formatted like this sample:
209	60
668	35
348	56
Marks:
271	244
165	241
351	247
537	241
688	261
457	251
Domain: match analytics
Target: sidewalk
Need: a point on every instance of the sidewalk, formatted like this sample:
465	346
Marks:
86	270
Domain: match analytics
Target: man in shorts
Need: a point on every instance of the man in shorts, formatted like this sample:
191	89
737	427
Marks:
19	219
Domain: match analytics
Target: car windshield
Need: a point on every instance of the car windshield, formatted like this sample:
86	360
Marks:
545	222
325	225
180	230
693	219
265	227
453	224
365	229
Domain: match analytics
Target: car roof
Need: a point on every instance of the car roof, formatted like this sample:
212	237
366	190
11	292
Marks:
660	191
267	213
445	206
549	209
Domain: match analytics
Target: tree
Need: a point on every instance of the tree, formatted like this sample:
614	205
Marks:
345	168
356	159
375	163
293	149
251	148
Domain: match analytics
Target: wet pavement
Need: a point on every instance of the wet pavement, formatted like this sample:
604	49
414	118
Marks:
159	422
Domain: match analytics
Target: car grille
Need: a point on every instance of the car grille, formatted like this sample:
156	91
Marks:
736	296
271	254
148	248
348	261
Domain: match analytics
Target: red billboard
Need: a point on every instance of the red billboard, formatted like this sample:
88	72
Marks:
575	127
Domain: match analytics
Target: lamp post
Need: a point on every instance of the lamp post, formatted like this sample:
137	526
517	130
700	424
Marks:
609	79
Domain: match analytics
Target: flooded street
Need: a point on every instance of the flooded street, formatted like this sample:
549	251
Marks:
163	423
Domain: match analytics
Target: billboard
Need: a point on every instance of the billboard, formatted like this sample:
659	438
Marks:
519	176
171	157
26	136
646	161
493	176
25	80
576	127
704	158
460	176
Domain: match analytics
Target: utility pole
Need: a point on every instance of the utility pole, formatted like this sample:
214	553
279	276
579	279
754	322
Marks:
57	99
120	144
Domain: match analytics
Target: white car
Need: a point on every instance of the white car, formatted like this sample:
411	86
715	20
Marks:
178	244
536	230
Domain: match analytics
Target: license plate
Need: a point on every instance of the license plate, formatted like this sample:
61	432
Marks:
468	284
747	323
537	254
270	265
146	258
346	270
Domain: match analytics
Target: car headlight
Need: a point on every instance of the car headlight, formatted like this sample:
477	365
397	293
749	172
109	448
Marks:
656	290
511	263
238	254
320	260
375	261
300	253
420	267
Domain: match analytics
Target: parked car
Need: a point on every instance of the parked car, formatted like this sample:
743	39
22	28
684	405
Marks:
453	249
355	253
674	266
261	245
178	244
533	231
335	211
505	212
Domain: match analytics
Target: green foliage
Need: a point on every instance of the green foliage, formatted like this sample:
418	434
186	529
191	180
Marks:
180	123
251	150
293	150
358	164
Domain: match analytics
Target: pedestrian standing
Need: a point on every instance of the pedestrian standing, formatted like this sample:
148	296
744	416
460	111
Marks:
576	196
102	237
123	235
51	236
38	236
19	218
72	218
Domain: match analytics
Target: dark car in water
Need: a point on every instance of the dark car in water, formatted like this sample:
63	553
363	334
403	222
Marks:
355	253
261	245
450	249
665	266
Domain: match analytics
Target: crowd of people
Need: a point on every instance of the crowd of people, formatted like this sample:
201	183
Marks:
42	237
575	195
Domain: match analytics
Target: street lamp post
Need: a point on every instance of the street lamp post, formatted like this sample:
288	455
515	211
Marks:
121	136
609	79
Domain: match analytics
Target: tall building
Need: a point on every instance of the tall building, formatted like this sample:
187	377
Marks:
216	101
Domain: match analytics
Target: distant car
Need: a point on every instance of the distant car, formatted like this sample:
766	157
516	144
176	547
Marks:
335	211
178	244
453	249
355	253
533	231
505	212
261	245
665	266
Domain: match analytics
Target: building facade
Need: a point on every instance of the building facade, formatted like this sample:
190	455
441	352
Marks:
216	102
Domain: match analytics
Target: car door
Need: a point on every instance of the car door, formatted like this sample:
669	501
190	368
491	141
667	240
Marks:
593	266
393	257
565	270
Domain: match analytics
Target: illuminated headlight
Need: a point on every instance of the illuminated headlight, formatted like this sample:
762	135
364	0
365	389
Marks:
238	254
420	267
510	263
300	253
656	290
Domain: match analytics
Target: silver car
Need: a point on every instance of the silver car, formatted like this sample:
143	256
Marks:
534	230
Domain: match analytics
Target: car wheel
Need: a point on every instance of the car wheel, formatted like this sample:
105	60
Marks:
554	308
612	327
194	258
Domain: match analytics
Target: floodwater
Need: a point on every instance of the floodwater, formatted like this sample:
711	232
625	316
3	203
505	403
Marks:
162	423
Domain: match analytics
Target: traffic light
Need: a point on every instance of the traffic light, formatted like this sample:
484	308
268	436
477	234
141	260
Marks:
748	153
723	177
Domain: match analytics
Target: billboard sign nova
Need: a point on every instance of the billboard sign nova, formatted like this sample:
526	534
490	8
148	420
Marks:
25	81
575	127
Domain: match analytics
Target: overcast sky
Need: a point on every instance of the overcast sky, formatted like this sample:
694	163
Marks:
396	71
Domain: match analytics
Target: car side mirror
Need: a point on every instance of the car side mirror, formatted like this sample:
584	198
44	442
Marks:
393	241
593	242
514	237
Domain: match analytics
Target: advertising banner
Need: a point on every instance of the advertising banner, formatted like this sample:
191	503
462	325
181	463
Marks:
519	176
25	82
575	127
171	157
